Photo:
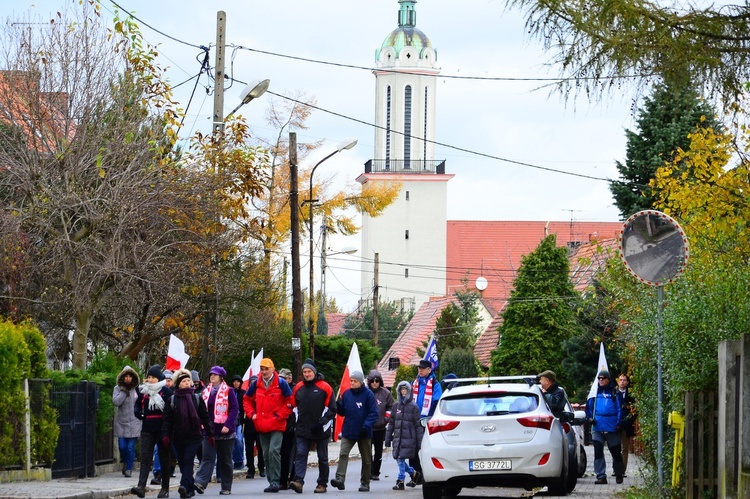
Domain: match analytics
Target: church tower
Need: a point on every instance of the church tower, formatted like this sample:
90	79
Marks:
410	236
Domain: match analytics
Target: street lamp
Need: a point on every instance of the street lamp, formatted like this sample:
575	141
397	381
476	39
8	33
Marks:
310	201
250	92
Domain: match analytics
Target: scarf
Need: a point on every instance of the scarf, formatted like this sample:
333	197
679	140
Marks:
221	403
185	395
427	401
151	390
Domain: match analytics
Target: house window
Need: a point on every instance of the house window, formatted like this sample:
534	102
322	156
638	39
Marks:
393	363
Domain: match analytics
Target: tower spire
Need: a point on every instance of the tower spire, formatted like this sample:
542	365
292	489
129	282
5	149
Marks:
407	14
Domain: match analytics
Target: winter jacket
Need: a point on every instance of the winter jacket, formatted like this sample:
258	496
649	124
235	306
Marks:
270	404
384	400
124	397
240	394
151	417
316	408
404	431
437	392
209	396
556	399
604	409
360	411
627	420
176	424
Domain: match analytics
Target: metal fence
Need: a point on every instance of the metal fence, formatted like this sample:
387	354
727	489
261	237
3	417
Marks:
76	409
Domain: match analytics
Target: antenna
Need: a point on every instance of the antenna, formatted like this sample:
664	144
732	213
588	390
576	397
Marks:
571	223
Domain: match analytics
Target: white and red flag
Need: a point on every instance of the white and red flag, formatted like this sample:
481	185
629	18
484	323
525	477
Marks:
353	364
253	369
602	366
176	356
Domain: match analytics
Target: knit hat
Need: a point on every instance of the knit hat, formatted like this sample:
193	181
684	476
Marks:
309	364
167	374
195	375
266	362
550	375
181	374
358	376
284	372
604	374
218	370
155	371
236	377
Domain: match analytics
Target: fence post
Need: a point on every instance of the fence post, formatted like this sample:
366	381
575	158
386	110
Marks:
27	424
743	466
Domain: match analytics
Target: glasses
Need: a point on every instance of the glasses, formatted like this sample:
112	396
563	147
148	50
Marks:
375	381
602	377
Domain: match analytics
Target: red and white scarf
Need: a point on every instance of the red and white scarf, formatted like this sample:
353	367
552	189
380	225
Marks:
427	401
221	403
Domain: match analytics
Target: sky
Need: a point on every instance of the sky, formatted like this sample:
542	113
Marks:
324	49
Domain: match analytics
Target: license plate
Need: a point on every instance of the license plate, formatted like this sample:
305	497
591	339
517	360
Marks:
490	464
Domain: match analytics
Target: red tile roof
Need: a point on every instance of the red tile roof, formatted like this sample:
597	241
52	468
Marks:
414	336
493	250
336	323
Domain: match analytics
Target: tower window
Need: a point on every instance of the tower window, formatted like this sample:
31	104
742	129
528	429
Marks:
406	273
406	234
407	195
388	105
407	127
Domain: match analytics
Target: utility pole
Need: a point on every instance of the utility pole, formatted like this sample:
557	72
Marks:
296	289
212	303
375	301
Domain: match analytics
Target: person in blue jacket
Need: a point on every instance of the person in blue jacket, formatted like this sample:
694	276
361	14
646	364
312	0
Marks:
360	410
604	412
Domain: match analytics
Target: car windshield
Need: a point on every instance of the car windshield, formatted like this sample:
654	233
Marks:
489	404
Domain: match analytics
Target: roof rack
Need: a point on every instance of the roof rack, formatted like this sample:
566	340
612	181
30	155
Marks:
529	379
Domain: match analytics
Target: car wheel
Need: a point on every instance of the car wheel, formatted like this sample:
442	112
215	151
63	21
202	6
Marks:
560	486
432	491
570	483
451	491
584	463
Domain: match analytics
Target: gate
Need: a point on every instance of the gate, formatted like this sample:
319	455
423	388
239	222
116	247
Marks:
76	408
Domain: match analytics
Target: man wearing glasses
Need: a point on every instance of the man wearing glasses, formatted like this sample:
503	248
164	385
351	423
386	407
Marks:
268	403
604	412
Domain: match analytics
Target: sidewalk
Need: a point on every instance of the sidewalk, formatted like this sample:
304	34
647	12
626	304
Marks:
114	484
106	485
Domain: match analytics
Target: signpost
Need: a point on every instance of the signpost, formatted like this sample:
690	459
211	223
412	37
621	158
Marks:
654	249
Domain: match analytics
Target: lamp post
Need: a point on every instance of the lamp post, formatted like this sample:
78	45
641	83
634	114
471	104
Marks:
310	201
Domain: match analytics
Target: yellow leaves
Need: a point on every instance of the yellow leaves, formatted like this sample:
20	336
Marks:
708	195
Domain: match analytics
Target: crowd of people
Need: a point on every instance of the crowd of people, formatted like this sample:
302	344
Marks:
274	424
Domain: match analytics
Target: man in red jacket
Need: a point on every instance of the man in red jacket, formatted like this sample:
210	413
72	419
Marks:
268	403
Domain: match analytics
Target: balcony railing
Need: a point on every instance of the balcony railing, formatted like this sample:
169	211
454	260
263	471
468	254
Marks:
433	166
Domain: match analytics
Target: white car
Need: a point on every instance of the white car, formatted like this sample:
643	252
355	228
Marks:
495	432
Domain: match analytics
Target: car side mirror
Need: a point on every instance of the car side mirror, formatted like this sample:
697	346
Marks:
579	418
567	417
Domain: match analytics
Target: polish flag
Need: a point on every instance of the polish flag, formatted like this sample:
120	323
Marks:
253	369
176	356
602	366
353	364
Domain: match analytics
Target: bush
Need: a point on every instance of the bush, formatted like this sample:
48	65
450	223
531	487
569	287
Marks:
22	356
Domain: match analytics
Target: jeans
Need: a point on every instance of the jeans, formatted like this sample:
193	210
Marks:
186	457
403	469
148	440
271	443
365	451
288	454
300	463
238	452
127	451
221	454
378	439
613	442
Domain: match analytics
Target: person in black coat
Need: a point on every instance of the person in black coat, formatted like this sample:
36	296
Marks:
185	418
404	434
238	453
149	408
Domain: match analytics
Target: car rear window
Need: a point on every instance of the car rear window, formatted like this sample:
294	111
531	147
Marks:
489	404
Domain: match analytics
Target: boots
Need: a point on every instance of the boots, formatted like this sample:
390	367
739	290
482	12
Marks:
399	485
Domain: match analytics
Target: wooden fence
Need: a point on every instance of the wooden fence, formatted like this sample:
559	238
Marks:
701	445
